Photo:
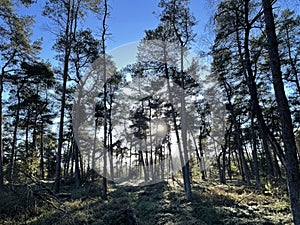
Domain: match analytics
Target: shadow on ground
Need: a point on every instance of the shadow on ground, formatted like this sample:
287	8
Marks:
159	204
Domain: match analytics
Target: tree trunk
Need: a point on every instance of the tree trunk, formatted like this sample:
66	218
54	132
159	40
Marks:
110	135
14	143
245	172
75	138
265	132
142	161
93	163
60	135
1	135
248	74
291	159
199	155
254	154
27	133
184	171
63	102
186	167
229	169
104	27
292	62
77	169
221	166
42	152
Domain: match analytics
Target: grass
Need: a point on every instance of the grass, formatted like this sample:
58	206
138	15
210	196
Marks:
162	204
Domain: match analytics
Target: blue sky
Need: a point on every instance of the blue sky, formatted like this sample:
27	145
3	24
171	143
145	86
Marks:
127	22
129	18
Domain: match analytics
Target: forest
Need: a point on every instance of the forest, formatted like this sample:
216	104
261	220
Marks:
183	134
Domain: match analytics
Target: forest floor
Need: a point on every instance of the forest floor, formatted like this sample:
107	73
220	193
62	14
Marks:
158	204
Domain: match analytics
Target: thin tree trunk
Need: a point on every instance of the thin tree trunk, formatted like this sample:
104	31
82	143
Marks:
81	165
104	29
1	134
291	159
146	159
63	102
254	154
203	166
42	152
110	129
292	63
69	159
141	160
72	160
181	157
14	143
199	155
34	132
75	137
77	169
94	145
60	137
221	168
151	141
27	133
243	163
186	167
229	169
166	70
197	151
78	172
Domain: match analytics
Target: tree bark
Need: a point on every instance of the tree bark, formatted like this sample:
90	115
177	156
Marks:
254	153
63	102
42	152
110	135
292	167
1	135
186	167
77	167
104	27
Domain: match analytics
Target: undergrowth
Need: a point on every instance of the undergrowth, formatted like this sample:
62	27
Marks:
162	203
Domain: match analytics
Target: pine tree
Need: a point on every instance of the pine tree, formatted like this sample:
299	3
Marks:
176	17
66	14
291	158
15	47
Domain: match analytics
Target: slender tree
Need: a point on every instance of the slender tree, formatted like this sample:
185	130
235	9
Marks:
66	18
291	158
176	16
105	98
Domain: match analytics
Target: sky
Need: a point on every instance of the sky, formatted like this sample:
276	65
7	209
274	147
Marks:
129	19
127	22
